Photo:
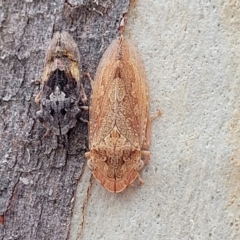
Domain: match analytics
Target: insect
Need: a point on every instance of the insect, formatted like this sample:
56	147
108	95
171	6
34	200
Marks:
61	89
119	122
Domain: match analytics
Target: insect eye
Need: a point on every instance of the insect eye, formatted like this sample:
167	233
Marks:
126	158
139	166
103	158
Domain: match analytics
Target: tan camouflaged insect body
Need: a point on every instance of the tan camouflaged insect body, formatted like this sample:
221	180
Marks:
118	121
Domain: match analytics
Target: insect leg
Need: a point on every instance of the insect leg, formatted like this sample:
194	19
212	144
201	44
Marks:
146	143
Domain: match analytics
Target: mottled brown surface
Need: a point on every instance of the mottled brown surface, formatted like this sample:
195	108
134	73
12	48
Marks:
62	96
38	176
117	126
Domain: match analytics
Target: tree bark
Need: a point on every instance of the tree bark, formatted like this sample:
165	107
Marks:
38	176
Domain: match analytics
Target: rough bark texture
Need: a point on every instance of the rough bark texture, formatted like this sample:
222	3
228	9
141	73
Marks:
38	176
